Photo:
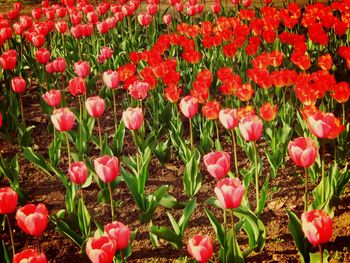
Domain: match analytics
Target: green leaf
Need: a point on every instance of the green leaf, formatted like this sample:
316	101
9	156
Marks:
65	229
174	224
301	242
316	257
168	235
219	231
185	218
5	253
84	218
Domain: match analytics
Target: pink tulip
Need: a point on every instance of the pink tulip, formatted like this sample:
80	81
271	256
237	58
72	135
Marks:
82	69
78	173
53	97
119	233
18	84
32	219
217	164
95	106
189	106
107	168
138	90
100	250
251	128
200	247
77	86
144	19
110	79
246	3
325	125
29	256
63	119
302	151
229	118
317	226
229	192
133	118
8	200
167	19
42	55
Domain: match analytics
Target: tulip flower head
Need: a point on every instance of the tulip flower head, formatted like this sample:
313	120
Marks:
63	119
100	249
18	84
325	125
229	118
303	151
229	192
251	128
77	86
95	106
189	106
32	219
82	69
8	200
78	173
317	226
268	111
200	247
30	256
119	233
217	164
107	168
110	79
133	118
53	97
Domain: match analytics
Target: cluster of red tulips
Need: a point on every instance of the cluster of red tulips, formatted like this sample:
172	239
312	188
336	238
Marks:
246	76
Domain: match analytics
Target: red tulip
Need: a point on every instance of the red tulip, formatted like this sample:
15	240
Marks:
138	90
77	86
107	168
110	79
100	250
119	233
52	97
251	128
18	84
105	53
8	59
8	200
78	173
229	118
216	7
189	106
303	151
32	219
133	118
167	19
211	110
82	69
30	256
42	55
217	164
63	119
102	27
61	26
317	226
200	247
229	192
59	65
144	19
325	125
95	106
268	112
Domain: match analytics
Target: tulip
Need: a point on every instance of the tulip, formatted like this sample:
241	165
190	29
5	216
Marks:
268	112
82	69
200	247
119	233
167	19
32	219
100	250
95	106
217	164
18	84
30	256
144	19
251	128
8	59
189	108
77	86
63	119
42	55
324	125
8	200
229	192
211	110
78	173
133	118
110	79
53	97
138	90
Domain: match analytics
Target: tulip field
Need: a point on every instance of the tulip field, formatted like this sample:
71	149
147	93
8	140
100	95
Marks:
173	131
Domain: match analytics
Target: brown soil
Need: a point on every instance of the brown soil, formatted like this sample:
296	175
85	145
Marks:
286	191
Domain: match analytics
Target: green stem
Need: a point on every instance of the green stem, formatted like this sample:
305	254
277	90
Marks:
111	199
115	112
122	256
306	190
11	235
225	233
321	253
68	149
82	194
99	132
22	111
217	130
191	133
235	151
322	173
256	176
80	122
233	233
136	134
343	107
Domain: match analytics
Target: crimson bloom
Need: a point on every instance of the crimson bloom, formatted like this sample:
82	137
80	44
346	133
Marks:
138	90
18	84
42	55
32	219
200	247
268	111
317	227
77	86
8	200
211	110
82	69
30	256
8	59
229	192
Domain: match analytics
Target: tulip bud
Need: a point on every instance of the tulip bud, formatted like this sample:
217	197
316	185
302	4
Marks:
107	168
217	164
78	173
100	249
229	192
189	106
82	69
30	256
8	200
95	106
133	118
200	247
32	219
77	86
251	128
52	97
110	79
63	119
229	118
302	151
119	233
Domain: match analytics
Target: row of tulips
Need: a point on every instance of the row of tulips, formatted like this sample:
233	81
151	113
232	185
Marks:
221	56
